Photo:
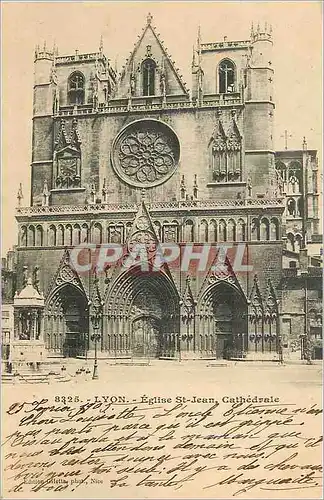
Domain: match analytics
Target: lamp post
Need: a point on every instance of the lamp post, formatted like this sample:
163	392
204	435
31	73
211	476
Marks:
306	346
279	336
280	349
96	317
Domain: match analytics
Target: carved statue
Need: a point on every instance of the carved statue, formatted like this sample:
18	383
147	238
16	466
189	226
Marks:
36	278
132	84
25	276
95	100
249	187
162	84
56	101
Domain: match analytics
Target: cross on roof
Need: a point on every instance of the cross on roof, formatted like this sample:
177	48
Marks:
286	136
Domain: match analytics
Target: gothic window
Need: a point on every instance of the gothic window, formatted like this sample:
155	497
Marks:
241	230
222	231
23	236
212	237
76	88
84	233
203	232
31	236
231	231
60	235
189	231
255	230
264	230
274	229
291	207
170	232
298	242
293	186
68	235
116	233
97	234
148	76
282	169
51	236
76	235
39	236
294	177
226	77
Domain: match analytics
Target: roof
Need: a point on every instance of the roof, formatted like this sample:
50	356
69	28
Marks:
29	297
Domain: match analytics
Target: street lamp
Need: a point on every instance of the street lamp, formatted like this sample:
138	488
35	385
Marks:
306	347
96	317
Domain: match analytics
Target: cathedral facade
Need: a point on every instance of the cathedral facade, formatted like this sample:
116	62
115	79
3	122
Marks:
138	158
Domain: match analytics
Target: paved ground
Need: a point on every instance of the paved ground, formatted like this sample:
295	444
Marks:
205	376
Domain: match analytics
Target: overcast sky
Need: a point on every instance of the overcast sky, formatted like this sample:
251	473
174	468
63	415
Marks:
297	60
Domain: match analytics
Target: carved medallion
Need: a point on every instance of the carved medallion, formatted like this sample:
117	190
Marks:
143	238
142	223
146	153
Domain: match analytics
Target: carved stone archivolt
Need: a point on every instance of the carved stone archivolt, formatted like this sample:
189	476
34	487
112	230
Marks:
146	153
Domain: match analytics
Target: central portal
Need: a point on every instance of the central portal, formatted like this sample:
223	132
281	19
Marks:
146	337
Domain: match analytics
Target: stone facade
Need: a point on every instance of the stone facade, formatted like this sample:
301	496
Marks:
139	158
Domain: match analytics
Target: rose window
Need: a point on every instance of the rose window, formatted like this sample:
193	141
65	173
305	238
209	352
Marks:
146	153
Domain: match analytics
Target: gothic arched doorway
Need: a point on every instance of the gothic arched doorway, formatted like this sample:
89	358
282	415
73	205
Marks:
146	336
223	326
142	316
67	324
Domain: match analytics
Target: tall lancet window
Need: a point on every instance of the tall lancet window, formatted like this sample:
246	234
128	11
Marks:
226	77
76	88
148	75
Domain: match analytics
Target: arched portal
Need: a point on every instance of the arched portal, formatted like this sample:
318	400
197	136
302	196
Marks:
66	322
223	321
141	317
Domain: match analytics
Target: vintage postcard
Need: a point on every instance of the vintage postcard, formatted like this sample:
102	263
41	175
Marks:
161	250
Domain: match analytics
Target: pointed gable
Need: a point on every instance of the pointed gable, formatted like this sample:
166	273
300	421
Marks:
271	306
62	140
256	303
234	137
67	142
66	274
75	140
220	271
188	301
150	48
219	137
142	231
